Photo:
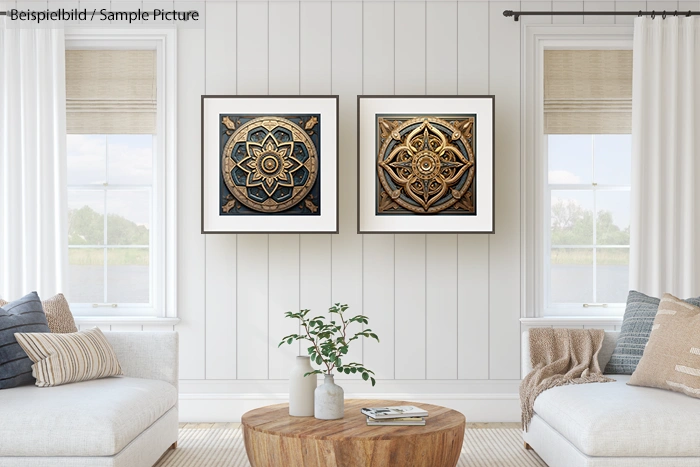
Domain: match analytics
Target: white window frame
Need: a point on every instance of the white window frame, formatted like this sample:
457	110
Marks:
163	247
534	175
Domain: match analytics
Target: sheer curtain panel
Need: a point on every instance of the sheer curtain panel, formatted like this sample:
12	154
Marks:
665	240
33	205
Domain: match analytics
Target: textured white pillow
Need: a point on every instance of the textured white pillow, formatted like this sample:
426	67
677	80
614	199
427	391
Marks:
68	358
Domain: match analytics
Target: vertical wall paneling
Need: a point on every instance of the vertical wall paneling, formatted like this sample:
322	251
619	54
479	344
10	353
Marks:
190	245
442	40
283	259
441	312
378	250
473	250
252	46
504	251
598	6
346	261
221	249
410	52
441	250
252	258
315	68
253	307
409	48
567	6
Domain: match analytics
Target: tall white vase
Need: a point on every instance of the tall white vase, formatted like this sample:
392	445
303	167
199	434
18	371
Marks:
301	389
329	400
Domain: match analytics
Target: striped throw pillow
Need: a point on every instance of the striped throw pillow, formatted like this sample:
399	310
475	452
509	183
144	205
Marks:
68	358
23	315
672	357
58	313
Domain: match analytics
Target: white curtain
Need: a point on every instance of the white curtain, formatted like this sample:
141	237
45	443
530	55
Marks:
665	222
33	204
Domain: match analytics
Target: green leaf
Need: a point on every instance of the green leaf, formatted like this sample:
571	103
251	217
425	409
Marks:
365	376
373	381
354	370
319	360
290	340
337	361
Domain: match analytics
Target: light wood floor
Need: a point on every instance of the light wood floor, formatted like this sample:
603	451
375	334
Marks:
206	426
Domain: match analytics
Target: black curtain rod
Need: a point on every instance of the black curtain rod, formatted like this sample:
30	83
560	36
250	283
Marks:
517	14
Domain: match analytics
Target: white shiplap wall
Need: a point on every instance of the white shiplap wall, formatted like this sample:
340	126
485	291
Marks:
446	306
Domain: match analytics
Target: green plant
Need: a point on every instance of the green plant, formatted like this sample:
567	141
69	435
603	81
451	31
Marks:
330	340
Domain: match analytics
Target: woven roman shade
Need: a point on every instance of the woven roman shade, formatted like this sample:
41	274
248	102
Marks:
111	91
587	91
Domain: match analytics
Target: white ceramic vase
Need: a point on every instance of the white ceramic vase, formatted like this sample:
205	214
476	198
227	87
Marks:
301	389
329	400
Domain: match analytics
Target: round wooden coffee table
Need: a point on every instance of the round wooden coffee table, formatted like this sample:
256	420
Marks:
273	438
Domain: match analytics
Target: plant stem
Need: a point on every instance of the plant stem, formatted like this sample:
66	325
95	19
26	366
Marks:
318	351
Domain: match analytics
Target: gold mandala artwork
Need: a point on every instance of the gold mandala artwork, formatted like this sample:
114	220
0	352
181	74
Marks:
426	165
270	164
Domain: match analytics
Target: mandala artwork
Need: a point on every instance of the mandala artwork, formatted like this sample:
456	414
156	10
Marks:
270	164
426	164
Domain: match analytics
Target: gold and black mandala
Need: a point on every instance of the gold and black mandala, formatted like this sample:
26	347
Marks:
426	164
270	165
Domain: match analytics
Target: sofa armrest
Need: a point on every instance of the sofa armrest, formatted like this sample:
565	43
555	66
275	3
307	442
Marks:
150	355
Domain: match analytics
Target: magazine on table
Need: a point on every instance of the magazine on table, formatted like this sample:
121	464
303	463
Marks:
400	411
411	421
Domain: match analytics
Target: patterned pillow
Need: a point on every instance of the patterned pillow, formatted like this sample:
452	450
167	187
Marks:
634	335
68	358
58	314
672	357
23	315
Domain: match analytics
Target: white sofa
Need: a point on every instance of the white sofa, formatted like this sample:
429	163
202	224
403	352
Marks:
127	421
613	424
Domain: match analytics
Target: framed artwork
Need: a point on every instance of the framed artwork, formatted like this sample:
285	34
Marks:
269	164
425	164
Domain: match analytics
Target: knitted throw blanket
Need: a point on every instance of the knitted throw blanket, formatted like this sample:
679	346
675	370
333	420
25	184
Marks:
560	357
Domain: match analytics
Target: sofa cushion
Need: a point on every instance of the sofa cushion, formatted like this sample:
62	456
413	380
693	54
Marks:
69	357
636	326
90	418
22	315
614	419
58	313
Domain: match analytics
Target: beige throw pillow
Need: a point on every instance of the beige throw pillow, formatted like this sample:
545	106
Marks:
68	358
671	359
58	314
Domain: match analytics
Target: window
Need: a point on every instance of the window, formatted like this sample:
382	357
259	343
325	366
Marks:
588	196
110	219
584	151
120	173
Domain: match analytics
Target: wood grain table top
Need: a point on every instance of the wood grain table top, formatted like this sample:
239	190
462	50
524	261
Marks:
275	420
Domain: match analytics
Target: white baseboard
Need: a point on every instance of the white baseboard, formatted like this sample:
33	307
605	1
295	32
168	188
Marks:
228	407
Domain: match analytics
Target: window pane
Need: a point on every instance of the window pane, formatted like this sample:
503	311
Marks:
130	159
571	275
86	275
572	217
613	156
612	275
86	217
570	159
128	217
613	219
86	156
128	275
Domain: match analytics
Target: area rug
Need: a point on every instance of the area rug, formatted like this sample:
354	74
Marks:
223	447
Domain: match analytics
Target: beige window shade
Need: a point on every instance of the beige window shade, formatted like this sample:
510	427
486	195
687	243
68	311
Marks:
111	91
587	91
